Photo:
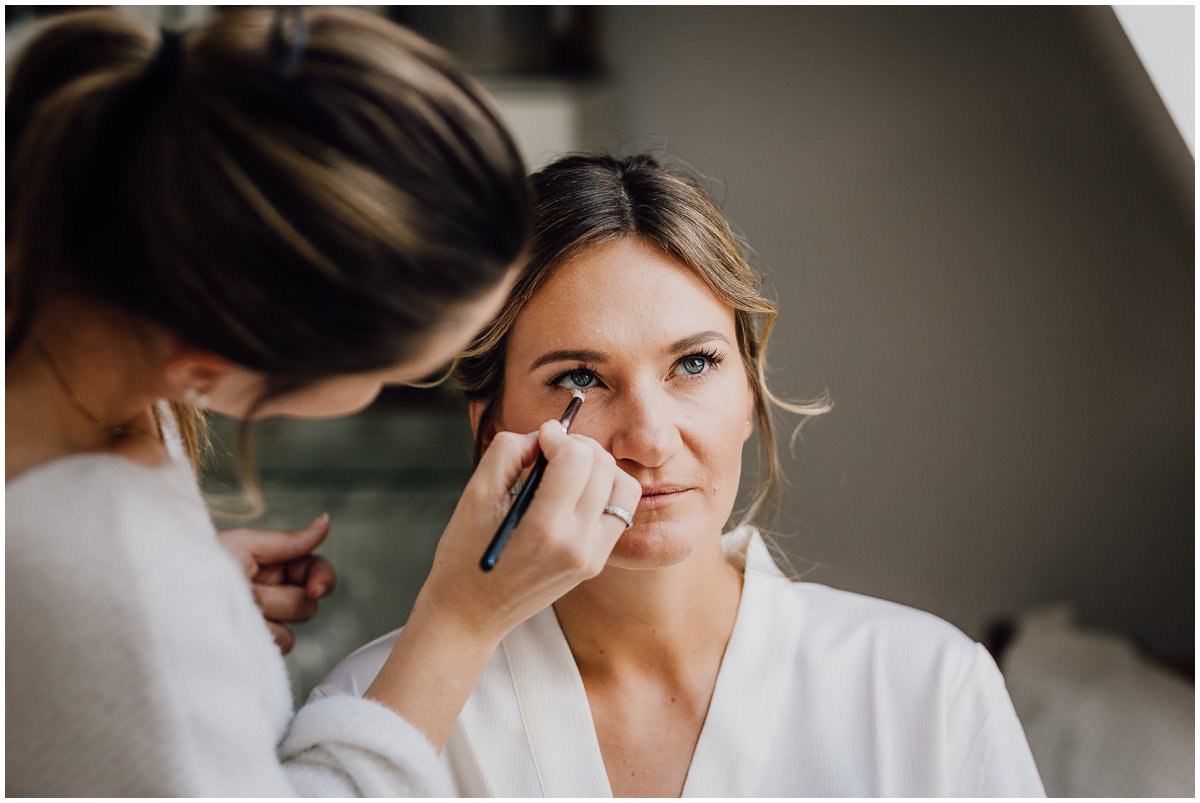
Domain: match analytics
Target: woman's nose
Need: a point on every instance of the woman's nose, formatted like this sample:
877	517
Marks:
644	430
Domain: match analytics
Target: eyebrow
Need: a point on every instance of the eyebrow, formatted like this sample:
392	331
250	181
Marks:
589	356
691	341
572	355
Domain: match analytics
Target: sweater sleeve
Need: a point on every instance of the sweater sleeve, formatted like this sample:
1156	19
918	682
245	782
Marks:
992	755
343	746
138	664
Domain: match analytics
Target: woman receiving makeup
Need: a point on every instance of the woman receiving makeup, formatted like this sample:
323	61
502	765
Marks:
270	214
691	665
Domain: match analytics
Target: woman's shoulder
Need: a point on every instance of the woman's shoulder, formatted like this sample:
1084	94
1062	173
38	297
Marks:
92	485
102	508
98	529
843	612
836	616
53	473
914	649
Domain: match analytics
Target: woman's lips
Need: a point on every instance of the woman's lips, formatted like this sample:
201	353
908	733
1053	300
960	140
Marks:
654	498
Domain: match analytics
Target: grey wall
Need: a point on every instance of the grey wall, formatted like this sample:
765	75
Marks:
977	251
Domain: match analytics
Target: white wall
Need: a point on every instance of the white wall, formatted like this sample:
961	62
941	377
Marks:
975	253
1165	40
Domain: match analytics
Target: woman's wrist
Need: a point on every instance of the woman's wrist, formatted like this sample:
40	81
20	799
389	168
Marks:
454	617
435	664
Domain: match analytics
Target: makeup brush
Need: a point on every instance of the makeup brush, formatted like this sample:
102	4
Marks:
525	495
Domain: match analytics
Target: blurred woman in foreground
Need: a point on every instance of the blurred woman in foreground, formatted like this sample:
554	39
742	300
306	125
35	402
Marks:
270	214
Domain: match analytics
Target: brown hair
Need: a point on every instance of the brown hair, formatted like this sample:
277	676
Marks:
583	201
303	192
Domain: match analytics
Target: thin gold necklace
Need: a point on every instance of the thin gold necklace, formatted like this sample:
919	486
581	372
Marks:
115	431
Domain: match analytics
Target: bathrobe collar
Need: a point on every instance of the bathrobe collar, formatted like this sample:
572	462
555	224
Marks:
562	752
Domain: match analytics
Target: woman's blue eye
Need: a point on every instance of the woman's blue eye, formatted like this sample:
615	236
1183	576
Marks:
577	379
693	366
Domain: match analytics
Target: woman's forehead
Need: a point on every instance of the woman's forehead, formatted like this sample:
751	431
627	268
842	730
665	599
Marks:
621	297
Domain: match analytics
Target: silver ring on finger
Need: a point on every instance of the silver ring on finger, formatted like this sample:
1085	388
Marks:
621	513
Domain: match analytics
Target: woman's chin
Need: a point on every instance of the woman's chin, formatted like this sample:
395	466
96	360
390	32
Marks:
655	545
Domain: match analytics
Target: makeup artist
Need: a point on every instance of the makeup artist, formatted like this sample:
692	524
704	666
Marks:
275	213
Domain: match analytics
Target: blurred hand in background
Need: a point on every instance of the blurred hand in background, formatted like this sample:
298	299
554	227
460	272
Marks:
286	578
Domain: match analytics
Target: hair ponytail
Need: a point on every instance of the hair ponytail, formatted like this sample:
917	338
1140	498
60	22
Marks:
304	200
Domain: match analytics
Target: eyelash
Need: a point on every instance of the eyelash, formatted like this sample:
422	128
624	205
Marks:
710	356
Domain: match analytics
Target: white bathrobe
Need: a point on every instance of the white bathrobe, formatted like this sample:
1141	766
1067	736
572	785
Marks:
821	693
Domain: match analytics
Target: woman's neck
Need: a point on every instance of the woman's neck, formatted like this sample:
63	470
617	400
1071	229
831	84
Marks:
659	622
104	365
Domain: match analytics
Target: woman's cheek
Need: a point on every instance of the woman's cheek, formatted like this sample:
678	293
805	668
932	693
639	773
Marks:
729	441
724	429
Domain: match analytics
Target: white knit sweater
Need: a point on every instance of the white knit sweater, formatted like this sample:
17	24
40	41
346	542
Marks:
138	663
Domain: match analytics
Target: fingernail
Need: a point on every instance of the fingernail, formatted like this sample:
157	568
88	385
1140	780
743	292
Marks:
322	519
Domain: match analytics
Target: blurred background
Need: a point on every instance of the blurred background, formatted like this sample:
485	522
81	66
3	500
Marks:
979	225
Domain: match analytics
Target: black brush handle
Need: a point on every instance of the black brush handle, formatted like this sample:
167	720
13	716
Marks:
524	496
519	506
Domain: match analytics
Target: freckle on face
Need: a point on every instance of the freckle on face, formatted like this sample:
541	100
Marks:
629	302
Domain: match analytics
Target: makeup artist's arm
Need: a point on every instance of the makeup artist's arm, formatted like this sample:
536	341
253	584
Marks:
286	578
462	613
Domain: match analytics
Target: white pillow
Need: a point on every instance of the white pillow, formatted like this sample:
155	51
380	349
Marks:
1101	720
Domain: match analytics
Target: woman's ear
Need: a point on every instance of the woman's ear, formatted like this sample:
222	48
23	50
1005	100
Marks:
476	409
189	371
203	379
